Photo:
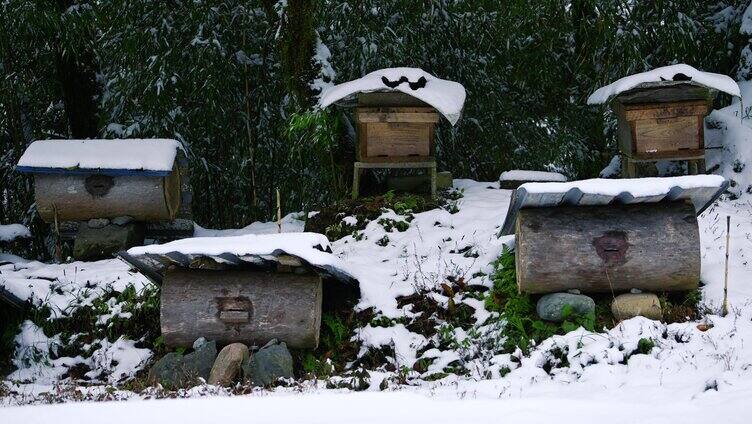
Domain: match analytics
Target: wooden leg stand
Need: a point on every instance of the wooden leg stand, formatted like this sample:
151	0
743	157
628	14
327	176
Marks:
357	171
432	170
358	168
628	168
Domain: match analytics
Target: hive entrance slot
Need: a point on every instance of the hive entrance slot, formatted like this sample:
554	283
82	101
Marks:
234	310
612	247
98	185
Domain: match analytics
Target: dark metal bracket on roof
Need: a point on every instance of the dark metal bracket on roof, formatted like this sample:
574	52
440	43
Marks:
420	83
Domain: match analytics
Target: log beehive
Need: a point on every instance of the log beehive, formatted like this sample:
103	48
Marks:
238	305
78	197
78	180
652	246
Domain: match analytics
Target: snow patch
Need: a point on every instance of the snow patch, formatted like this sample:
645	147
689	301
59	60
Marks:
308	246
638	187
522	175
11	232
130	154
448	97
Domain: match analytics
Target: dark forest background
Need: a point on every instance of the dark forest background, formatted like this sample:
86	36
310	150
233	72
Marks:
233	81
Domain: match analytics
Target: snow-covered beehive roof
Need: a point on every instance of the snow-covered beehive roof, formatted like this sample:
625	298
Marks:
701	190
255	250
448	97
680	73
525	175
154	157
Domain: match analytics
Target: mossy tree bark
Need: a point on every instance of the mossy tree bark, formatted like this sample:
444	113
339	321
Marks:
297	47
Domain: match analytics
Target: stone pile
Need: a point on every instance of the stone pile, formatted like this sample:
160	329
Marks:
234	363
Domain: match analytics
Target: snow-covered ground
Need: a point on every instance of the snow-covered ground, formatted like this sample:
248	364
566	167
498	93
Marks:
697	372
400	407
693	374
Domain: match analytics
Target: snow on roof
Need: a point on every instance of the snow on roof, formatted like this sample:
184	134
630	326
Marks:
522	175
156	155
667	73
700	189
11	232
448	97
313	248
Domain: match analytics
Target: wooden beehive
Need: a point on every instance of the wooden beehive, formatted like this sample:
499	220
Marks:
394	127
249	297
238	305
78	196
78	180
663	120
610	235
651	246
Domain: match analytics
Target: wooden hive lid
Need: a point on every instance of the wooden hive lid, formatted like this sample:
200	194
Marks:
665	92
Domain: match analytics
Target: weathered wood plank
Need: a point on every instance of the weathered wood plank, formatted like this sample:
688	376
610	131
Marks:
660	92
685	154
389	99
398	139
245	306
397	162
665	110
652	246
667	134
382	116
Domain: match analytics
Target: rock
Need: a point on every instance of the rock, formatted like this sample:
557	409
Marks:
175	370
167	371
271	362
550	307
228	364
97	223
98	243
122	220
199	342
199	363
630	305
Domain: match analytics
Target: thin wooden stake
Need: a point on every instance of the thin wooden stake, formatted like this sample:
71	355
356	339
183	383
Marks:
279	214
724	310
58	249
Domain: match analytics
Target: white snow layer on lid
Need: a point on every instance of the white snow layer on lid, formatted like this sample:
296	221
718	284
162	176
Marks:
131	154
11	232
522	175
448	97
638	187
302	245
717	81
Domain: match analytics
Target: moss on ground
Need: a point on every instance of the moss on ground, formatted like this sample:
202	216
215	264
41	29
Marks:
328	220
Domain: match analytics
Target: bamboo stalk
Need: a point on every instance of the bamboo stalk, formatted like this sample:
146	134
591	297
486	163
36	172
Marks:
279	214
724	310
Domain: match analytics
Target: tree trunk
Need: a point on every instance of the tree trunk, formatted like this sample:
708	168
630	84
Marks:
76	74
297	45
